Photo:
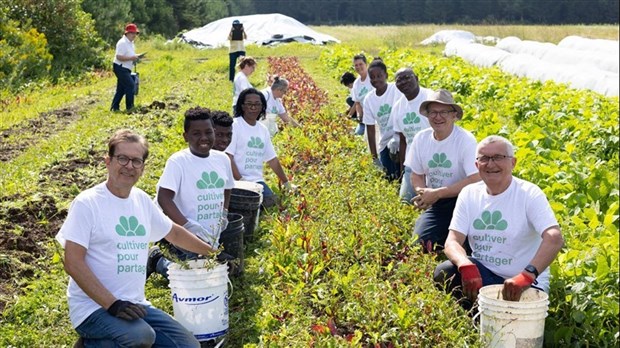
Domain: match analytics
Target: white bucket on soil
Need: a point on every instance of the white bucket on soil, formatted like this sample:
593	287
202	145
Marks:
200	299
508	324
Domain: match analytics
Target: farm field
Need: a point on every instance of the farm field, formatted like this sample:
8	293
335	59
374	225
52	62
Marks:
335	265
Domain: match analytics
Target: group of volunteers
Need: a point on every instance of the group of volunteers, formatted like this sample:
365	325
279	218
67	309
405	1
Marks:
493	228
109	228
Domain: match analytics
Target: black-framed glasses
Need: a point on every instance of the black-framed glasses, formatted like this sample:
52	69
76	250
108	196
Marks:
494	158
135	162
253	105
443	113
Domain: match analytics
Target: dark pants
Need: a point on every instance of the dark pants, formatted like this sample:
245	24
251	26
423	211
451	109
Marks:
233	62
432	225
350	103
125	86
448	278
392	169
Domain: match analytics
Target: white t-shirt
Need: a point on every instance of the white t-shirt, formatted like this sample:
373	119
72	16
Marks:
505	230
274	106
116	233
378	110
240	83
125	47
443	162
199	184
250	146
361	88
407	118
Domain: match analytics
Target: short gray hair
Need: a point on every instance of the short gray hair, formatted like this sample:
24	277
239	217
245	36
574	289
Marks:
510	149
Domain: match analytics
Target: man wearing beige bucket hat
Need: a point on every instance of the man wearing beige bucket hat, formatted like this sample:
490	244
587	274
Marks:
509	225
442	161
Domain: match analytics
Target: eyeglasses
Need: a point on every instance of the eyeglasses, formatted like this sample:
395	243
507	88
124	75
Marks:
253	105
443	113
494	158
135	162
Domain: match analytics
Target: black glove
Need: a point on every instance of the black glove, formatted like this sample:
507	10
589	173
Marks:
224	257
127	310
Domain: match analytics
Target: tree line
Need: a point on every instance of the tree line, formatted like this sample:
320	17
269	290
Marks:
53	39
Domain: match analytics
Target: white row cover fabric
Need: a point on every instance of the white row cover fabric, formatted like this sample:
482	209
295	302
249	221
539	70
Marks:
475	53
261	29
585	44
445	36
591	69
555	54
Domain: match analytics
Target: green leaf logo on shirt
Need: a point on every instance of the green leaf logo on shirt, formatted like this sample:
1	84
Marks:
440	160
491	221
384	109
363	92
256	143
130	227
411	118
210	180
274	110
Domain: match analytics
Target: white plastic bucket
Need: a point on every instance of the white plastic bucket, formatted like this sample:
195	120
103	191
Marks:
200	299
508	324
271	122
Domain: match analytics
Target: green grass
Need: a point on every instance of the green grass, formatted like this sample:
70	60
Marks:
373	296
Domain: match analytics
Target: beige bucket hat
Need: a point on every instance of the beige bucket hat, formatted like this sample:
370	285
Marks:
444	97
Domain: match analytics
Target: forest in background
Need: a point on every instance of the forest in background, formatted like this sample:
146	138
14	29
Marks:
45	41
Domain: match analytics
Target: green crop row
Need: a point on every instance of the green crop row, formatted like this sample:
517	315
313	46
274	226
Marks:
567	143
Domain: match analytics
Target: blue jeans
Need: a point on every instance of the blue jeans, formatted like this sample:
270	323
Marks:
392	169
157	329
269	198
406	192
125	86
233	63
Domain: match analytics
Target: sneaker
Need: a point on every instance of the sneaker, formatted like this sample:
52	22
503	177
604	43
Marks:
154	255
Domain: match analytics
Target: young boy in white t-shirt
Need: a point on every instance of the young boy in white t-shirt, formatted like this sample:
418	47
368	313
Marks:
194	189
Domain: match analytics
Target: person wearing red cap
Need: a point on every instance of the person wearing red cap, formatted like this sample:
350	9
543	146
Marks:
124	59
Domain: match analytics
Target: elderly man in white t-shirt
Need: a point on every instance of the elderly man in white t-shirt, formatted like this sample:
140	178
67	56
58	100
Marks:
509	225
442	161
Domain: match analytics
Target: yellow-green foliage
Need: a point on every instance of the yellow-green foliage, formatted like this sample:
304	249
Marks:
23	55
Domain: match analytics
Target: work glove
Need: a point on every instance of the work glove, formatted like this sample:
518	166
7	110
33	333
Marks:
471	280
514	287
201	233
377	163
290	187
127	310
393	145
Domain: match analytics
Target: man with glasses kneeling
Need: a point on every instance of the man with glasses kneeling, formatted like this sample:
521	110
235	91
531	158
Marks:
442	163
106	238
509	225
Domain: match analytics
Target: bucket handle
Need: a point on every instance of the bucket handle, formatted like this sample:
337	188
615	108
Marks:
231	288
476	317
